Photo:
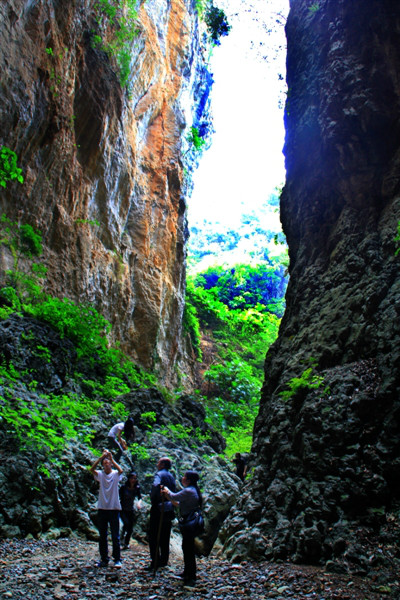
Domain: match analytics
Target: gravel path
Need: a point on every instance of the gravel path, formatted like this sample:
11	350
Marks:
66	569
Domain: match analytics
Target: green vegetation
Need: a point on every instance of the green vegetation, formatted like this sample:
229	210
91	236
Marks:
180	434
397	239
195	139
8	167
148	420
121	17
22	283
308	380
48	422
93	222
315	6
200	6
240	309
138	452
120	412
191	324
236	305
244	286
215	19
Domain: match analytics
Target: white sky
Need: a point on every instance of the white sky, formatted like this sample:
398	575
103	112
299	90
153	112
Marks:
245	161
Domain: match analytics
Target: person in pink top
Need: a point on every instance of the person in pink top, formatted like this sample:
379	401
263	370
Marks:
108	506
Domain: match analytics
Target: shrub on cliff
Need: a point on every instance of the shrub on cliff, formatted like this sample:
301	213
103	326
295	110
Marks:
8	167
215	19
121	17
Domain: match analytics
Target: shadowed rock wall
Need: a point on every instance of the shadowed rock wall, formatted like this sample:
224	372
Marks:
93	151
327	469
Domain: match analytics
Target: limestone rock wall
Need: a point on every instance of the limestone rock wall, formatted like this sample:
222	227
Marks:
94	152
326	480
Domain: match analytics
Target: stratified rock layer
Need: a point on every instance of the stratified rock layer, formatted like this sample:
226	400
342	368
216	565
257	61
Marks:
104	178
327	453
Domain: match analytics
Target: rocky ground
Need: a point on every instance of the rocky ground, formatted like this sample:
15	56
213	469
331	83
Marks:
65	569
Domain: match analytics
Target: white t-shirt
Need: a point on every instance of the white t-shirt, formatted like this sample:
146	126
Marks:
108	493
115	429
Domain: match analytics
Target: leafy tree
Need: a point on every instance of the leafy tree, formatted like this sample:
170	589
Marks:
217	23
244	286
242	332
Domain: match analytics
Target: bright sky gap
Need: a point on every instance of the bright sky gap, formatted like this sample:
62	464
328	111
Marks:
245	162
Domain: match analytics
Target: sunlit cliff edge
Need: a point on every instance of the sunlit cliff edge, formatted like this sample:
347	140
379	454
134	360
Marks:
106	165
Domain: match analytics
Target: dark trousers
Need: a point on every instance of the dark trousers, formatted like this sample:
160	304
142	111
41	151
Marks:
189	557
165	533
105	518
115	448
128	519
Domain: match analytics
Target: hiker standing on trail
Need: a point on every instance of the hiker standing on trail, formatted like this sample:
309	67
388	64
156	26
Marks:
241	466
115	439
189	501
108	506
161	515
127	494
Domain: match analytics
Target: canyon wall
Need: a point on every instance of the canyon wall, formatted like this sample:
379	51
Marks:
106	166
325	487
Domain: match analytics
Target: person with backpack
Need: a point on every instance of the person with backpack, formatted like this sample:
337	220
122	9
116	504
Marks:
190	502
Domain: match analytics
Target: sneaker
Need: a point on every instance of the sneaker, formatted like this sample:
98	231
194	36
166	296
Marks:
118	564
125	547
102	563
189	582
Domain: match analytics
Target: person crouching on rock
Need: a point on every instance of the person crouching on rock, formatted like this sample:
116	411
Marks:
127	494
189	500
115	439
108	506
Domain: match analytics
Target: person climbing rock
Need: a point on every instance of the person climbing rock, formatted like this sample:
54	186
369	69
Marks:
161	515
115	439
128	492
108	506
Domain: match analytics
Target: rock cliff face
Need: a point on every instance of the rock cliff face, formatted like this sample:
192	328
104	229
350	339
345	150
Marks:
103	164
326	453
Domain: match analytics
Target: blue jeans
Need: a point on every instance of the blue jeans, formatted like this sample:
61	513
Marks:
105	517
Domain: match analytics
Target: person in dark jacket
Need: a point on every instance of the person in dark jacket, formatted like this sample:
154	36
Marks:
161	515
241	466
189	499
127	494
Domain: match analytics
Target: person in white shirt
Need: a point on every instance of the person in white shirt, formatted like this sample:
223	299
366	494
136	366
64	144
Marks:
108	506
115	439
